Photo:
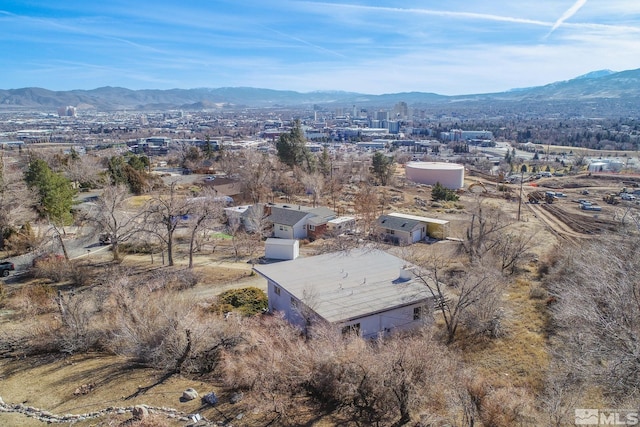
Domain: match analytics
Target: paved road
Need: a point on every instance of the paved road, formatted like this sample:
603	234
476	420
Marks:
77	247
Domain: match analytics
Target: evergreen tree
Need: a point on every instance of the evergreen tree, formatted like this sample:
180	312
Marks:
116	170
208	148
130	172
439	192
54	190
382	167
292	148
325	162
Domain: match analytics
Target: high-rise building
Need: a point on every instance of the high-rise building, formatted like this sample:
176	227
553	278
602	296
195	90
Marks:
68	111
383	116
401	110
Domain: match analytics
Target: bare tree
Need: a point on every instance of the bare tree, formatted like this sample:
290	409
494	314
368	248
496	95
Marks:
112	217
511	248
206	211
256	176
229	162
469	297
382	382
163	214
334	184
243	242
187	154
483	232
367	203
84	170
561	395
596	314
313	184
17	201
288	185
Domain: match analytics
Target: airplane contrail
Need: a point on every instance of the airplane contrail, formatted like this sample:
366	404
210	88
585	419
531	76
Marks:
568	14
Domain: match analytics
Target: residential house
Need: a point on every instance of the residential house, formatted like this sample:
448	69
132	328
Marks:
223	186
250	217
298	222
436	228
400	231
318	223
363	290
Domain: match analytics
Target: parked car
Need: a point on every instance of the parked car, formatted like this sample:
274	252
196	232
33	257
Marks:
590	207
105	238
6	267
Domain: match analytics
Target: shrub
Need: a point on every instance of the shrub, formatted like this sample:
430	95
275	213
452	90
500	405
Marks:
176	280
537	292
439	192
248	301
51	266
36	298
139	248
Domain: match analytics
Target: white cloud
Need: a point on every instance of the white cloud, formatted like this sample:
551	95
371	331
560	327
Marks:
568	14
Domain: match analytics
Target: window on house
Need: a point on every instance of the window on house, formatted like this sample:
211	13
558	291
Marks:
351	329
281	228
392	232
418	312
311	227
294	302
276	290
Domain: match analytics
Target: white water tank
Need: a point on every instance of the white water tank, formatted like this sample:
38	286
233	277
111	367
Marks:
449	175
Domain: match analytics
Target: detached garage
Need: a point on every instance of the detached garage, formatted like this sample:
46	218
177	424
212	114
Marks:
286	249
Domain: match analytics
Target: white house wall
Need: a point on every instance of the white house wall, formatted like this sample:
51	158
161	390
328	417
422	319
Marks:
283	303
282	231
408	237
278	250
398	319
300	230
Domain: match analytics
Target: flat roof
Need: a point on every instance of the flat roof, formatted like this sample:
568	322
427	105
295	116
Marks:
347	285
239	209
341	219
435	165
420	218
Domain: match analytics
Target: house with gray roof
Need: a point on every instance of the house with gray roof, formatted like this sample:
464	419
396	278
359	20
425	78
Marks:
298	222
400	230
364	290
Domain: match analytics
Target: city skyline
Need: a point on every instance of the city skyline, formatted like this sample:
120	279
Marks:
452	49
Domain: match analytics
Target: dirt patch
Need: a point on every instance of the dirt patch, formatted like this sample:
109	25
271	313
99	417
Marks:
93	382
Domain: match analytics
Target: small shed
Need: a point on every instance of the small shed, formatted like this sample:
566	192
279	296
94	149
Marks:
285	249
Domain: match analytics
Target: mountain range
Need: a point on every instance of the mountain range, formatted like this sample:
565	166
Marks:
597	85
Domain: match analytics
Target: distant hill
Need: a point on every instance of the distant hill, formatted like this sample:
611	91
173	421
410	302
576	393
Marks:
603	84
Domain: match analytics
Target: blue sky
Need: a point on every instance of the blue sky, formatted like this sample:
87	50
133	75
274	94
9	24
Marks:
377	46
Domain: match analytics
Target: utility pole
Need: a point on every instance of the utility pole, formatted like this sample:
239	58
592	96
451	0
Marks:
520	198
